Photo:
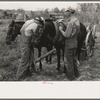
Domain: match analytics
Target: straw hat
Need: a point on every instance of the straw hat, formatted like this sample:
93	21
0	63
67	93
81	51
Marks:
70	10
20	17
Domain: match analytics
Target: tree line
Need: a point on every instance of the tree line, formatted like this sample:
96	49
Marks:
86	12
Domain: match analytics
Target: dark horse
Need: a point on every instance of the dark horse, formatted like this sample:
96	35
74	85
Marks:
14	31
48	37
50	33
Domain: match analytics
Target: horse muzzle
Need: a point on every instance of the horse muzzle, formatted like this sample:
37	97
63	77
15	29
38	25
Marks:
8	42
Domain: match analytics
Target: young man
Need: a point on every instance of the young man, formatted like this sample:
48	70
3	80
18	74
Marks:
30	32
72	30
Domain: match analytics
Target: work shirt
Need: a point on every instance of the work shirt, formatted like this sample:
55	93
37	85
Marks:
29	27
28	30
73	28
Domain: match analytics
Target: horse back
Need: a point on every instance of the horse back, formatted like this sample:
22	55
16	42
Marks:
59	36
82	34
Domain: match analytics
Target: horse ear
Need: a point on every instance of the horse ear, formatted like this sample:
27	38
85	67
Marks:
12	23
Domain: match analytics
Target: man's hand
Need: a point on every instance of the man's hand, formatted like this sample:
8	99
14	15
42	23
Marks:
60	28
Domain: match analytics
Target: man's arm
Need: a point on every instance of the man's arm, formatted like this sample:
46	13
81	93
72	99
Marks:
30	29
68	31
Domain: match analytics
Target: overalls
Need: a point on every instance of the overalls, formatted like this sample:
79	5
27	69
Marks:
70	62
27	32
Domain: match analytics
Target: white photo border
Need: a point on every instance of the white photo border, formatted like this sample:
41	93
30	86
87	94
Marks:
61	90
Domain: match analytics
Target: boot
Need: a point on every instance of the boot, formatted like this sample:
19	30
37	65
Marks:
25	74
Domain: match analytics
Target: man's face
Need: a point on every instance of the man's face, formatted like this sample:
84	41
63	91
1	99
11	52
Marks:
67	14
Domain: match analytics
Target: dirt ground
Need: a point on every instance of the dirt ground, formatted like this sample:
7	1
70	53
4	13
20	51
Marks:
10	56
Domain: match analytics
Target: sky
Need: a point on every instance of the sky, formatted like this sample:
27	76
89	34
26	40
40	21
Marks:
36	5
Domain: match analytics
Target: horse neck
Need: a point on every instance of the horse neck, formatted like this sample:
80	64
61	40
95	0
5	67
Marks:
17	26
10	28
48	32
50	28
20	24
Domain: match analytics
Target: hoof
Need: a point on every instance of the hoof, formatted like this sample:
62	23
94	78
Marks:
58	69
63	75
64	71
77	75
71	78
49	62
78	63
33	70
41	69
8	42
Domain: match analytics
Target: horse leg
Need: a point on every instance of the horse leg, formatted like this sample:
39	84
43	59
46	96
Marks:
64	71
39	54
63	53
31	60
46	58
78	52
50	56
58	58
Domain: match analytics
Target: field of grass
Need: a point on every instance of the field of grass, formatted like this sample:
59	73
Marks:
10	56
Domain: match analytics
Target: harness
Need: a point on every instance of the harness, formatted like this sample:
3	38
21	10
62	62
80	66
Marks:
56	25
57	30
39	29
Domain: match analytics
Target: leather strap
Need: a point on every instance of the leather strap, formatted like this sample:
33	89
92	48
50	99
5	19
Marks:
57	30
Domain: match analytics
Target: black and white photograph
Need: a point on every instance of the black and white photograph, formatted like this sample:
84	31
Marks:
49	41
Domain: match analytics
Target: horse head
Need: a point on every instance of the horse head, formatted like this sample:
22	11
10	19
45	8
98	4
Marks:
9	33
13	31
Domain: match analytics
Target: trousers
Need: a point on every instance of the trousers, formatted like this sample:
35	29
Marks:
27	57
70	63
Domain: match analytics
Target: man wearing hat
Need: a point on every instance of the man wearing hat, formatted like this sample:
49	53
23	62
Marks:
20	17
30	32
72	30
52	17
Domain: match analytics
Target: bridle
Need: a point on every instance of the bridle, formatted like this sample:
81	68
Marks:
13	30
